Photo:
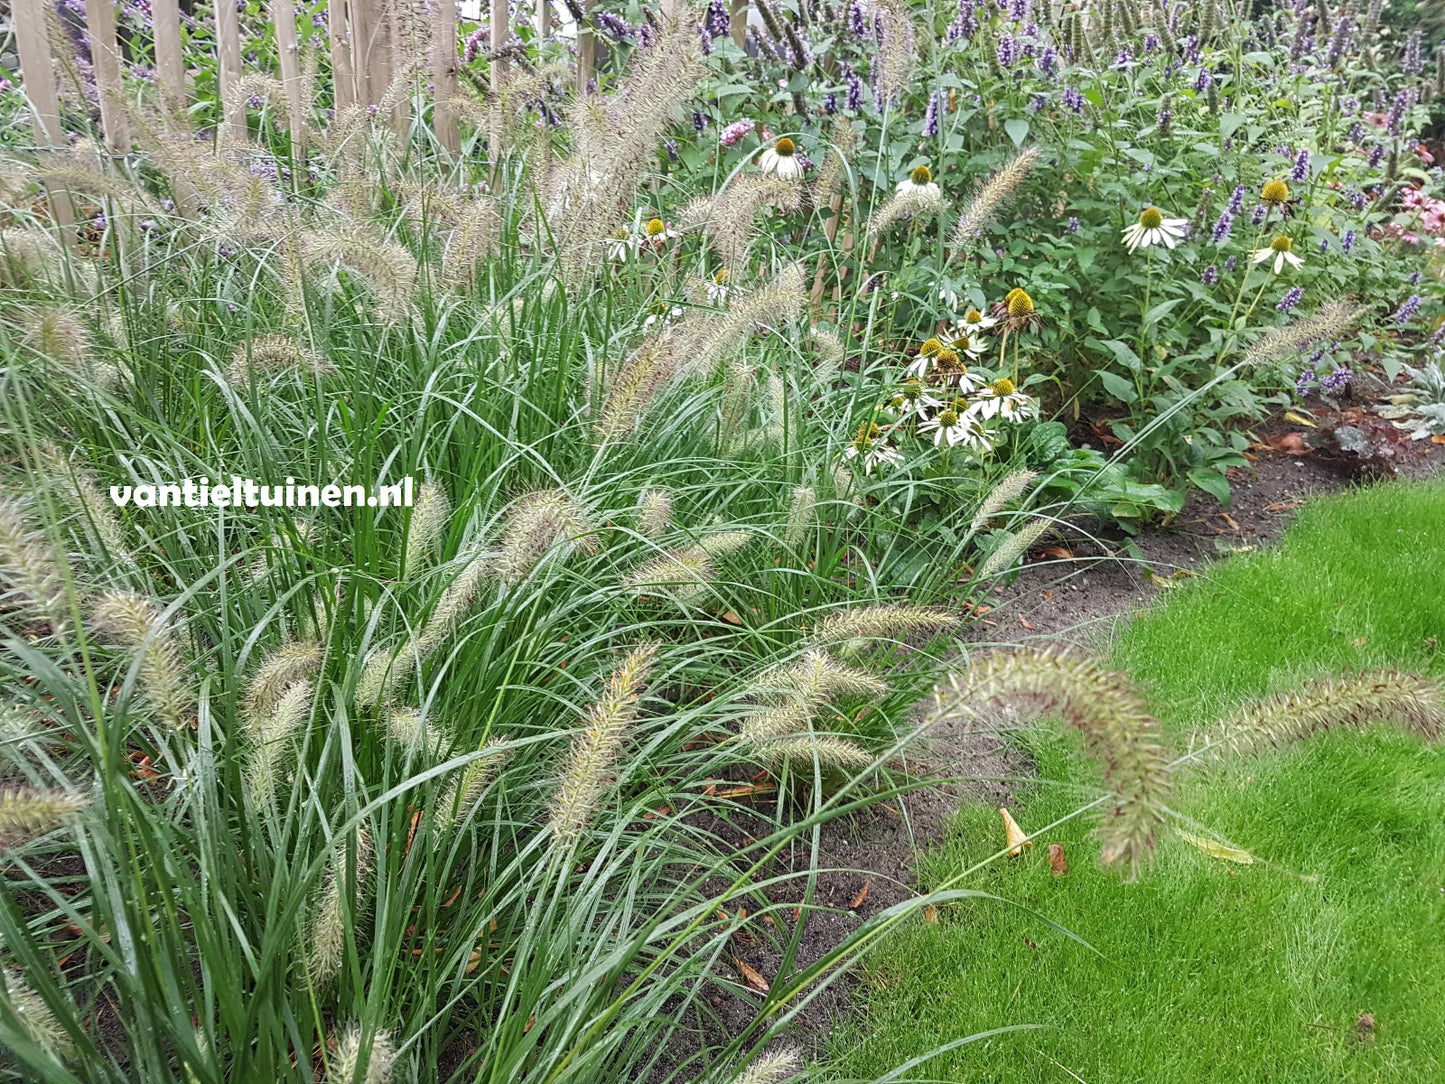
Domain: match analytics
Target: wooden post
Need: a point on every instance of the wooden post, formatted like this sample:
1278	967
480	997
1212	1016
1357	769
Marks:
283	15
544	20
738	22
499	33
396	27
343	65
170	67
37	70
371	42
586	49
444	75
105	61
228	43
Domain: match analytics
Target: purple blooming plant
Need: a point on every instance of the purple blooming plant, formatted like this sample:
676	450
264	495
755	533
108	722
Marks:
1406	312
1290	299
1337	381
1301	170
1220	234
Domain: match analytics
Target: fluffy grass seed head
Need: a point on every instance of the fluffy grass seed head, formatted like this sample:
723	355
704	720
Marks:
540	523
654	512
829	751
815	679
26	813
1281	342
1352	703
800	517
328	925
992	194
30	570
289	663
882	622
429	520
269	354
271	735
1119	733
129	618
384	265
1013	547
774	1067
593	755
1001	496
347	1059
36	1017
466	789
916	202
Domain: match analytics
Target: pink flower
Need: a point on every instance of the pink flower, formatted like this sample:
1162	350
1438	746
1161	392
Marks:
734	132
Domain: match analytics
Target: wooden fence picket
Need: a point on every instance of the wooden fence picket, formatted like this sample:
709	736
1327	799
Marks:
343	55
37	69
445	84
105	63
228	47
170	64
288	47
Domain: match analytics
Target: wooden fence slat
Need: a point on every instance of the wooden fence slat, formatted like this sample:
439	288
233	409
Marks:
343	67
37	70
498	35
372	41
544	20
228	38
445	85
288	45
738	22
170	65
105	62
586	49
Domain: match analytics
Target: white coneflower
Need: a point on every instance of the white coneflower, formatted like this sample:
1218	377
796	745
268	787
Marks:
429	519
989	198
621	245
654	512
1002	399
347	1059
717	287
800	517
882	622
1281	251
27	813
593	755
328	926
29	566
1154	229
870	444
1013	547
912	400
457	801
956	427
542	522
656	233
130	618
920	184
35	1016
1010	488
781	158
975	322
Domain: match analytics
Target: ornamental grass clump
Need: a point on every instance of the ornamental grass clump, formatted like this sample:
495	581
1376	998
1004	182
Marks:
134	621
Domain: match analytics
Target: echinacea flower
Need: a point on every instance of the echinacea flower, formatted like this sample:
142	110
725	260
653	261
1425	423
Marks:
656	233
955	427
976	321
1274	193
1016	311
920	183
620	245
781	158
717	287
1153	229
1281	249
914	400
872	448
1004	400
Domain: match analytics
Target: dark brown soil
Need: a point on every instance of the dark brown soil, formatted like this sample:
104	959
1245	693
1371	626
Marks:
1080	603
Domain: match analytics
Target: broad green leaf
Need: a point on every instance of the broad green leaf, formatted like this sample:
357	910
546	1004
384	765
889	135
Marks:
1017	129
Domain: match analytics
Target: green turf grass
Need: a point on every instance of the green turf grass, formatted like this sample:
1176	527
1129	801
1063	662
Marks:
1212	971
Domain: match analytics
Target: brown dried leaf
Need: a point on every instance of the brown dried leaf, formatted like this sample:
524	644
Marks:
1058	864
752	976
862	895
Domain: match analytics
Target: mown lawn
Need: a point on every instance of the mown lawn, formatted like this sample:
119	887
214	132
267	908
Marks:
1209	970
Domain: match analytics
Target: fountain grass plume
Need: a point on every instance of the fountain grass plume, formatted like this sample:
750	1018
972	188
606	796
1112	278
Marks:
79	489
882	622
1016	545
470	782
729	219
801	518
288	664
59	335
27	812
470	242
1119	733
1281	342
380	1058
29	566
270	734
1000	497
893	61
540	523
406	727
909	203
1350	703
35	1017
828	750
654	512
134	620
774	1067
842	142
328	925
267	354
686	571
429	520
990	197
815	678
384	265
592	759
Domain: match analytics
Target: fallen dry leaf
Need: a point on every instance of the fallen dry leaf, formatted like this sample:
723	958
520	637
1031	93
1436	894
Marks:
1048	596
1057	552
862	895
1058	864
1229	520
930	914
1014	836
1437	438
732	618
1290	444
1024	621
752	976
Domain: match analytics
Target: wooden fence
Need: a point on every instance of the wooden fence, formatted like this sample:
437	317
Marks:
365	42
